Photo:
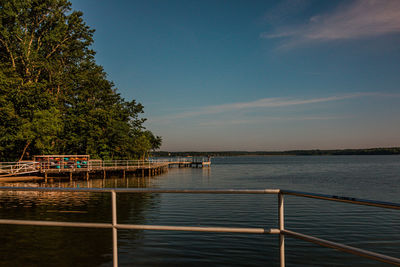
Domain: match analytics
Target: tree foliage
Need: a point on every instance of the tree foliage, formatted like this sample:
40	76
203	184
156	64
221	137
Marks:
54	98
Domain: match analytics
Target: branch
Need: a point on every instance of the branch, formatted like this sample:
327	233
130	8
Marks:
58	91
38	75
39	44
57	46
29	46
19	38
8	50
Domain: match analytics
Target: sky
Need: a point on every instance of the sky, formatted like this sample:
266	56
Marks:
255	75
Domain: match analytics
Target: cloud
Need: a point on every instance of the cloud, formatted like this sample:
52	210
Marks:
264	119
360	19
260	103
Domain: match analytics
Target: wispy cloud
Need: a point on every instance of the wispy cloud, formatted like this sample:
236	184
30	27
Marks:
359	19
260	103
265	119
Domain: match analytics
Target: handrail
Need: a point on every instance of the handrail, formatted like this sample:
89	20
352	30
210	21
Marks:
281	231
61	165
352	200
349	249
16	168
144	190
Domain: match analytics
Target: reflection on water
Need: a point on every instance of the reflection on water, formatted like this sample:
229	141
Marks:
371	177
22	245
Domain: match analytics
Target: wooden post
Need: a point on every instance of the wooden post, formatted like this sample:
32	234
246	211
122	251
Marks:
87	175
124	172
70	176
104	172
143	172
45	177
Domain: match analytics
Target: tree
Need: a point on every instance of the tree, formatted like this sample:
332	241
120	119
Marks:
54	98
155	141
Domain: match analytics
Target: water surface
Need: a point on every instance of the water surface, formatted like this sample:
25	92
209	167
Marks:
370	177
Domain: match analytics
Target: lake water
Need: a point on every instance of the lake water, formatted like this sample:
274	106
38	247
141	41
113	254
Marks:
368	177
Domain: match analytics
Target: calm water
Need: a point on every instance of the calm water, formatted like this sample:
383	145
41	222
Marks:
371	177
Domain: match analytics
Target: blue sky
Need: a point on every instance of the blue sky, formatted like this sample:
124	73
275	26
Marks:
255	75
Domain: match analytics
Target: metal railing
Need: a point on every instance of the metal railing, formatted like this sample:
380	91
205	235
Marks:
16	168
182	159
94	164
115	226
119	163
97	164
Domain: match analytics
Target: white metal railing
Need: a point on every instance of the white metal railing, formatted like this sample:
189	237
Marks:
16	168
182	159
98	164
92	164
281	230
118	163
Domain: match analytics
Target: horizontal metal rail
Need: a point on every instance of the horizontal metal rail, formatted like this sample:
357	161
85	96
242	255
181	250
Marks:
143	227
54	223
145	190
352	200
200	229
281	231
345	248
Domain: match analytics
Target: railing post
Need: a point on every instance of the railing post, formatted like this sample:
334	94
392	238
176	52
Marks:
281	227
114	223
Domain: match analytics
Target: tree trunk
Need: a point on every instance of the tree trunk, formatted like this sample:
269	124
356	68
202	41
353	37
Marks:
23	152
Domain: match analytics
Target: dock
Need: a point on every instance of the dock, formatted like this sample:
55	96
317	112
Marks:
83	167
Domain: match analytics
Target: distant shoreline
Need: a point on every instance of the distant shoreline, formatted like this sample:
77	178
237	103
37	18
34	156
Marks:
311	152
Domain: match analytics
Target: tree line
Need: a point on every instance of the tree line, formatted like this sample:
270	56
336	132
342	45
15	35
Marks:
54	98
312	152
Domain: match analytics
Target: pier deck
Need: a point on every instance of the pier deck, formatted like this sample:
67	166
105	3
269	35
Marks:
62	166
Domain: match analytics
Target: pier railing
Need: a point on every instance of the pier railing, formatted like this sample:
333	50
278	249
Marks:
119	163
95	164
99	164
17	168
60	165
280	229
182	159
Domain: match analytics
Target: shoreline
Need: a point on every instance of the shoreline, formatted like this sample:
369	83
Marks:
310	152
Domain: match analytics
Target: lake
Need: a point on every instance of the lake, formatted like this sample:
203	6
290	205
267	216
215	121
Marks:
371	228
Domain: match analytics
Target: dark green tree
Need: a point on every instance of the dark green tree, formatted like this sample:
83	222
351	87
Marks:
54	98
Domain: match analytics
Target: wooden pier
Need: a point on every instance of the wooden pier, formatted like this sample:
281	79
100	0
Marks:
74	166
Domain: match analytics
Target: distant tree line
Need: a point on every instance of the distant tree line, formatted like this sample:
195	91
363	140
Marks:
54	98
314	152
